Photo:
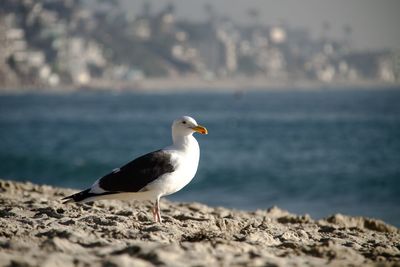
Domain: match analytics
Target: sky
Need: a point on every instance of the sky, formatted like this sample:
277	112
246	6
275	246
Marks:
375	23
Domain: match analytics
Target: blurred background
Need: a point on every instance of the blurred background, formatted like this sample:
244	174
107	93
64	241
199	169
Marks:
301	98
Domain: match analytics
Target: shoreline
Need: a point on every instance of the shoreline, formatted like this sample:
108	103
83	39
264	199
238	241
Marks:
38	230
169	85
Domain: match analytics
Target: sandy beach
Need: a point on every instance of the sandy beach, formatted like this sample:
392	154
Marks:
36	229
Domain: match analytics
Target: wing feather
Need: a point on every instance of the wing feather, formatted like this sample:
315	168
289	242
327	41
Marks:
138	173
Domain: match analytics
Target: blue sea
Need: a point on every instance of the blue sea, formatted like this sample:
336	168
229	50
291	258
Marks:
317	152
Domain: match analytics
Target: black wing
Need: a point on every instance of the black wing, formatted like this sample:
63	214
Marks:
138	173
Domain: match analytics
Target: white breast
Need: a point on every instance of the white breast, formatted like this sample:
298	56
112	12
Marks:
185	160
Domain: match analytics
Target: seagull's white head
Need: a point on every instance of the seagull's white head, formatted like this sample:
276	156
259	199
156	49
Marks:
187	126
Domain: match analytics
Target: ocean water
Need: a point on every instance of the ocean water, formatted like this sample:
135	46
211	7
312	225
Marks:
317	152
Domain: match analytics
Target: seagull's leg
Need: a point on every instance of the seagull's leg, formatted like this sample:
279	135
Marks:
154	211
158	210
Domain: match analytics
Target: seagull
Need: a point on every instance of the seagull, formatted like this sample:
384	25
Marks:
153	175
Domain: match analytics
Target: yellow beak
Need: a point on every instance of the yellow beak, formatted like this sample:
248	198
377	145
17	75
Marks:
200	129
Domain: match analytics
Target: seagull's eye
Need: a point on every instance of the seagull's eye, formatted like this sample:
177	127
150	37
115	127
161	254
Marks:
184	122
